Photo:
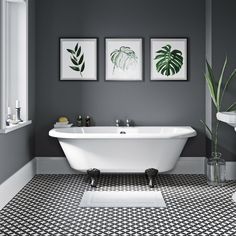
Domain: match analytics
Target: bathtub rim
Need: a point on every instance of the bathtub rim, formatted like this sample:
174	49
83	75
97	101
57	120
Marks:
57	133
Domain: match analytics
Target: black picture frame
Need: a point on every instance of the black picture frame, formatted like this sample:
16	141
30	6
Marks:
106	58
185	61
96	41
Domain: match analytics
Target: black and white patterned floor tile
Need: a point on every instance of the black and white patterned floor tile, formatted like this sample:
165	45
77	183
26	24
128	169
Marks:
49	205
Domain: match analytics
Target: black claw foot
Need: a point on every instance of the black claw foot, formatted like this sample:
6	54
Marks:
93	175
151	174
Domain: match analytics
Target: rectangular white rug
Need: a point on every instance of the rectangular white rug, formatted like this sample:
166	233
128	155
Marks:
122	199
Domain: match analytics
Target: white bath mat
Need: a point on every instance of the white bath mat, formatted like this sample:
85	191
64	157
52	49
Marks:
122	199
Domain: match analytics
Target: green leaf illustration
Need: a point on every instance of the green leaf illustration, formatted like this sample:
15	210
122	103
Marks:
81	59
168	62
123	58
74	61
74	57
78	52
76	47
82	67
76	68
70	51
77	60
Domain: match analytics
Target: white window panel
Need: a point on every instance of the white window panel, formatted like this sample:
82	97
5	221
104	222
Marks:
14	58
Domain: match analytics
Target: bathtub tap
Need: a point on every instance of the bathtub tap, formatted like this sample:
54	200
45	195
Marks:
128	123
117	123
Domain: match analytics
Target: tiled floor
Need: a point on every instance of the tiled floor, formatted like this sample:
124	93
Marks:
49	205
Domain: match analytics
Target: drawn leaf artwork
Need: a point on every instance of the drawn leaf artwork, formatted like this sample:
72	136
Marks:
74	61
78	52
75	68
70	51
123	58
77	59
76	47
82	67
168	62
81	59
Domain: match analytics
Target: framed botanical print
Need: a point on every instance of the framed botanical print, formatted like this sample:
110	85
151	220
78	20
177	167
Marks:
124	59
168	59
78	59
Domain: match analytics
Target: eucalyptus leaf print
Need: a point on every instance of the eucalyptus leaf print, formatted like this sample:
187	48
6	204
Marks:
168	62
123	58
77	59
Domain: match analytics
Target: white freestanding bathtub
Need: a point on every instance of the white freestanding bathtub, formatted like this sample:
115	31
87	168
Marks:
123	149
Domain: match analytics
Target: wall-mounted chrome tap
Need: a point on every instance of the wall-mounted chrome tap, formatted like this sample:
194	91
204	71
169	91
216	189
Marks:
87	121
117	123
128	123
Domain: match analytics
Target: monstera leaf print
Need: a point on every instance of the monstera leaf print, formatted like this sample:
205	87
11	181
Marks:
123	58
168	62
77	59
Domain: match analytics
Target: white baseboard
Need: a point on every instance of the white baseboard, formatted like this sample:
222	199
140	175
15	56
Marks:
10	187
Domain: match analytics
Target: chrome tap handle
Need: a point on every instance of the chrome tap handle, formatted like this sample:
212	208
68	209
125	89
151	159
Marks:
128	123
117	123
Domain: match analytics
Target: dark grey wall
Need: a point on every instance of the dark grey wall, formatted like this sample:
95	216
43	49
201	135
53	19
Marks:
223	41
147	103
17	147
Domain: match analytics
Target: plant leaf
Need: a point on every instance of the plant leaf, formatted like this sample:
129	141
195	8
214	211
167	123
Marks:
76	68
211	83
81	59
209	70
211	89
208	129
227	83
74	61
211	75
232	107
168	62
70	51
123	58
218	98
74	57
78	52
76	47
82	67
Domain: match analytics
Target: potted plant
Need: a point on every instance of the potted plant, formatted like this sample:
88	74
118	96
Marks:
217	88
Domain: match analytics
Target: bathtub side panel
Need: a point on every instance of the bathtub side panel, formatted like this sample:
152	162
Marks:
122	155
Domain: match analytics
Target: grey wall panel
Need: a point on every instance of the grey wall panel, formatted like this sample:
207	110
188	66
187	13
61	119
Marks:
17	147
147	103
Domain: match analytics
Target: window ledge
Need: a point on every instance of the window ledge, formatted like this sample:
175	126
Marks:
15	127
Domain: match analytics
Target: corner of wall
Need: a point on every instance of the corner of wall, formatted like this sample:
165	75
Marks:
208	50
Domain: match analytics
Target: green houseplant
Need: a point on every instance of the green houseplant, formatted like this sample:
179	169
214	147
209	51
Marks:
217	88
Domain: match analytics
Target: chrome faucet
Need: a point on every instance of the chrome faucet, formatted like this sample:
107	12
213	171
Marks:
117	123
128	123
